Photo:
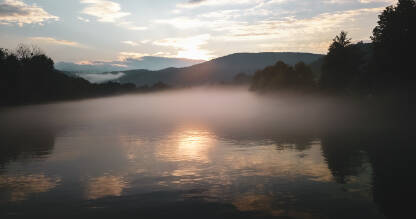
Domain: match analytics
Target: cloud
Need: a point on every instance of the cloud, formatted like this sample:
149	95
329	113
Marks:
105	11
188	47
199	3
313	34
83	19
131	43
359	1
291	26
130	25
109	12
17	12
131	55
183	22
278	25
51	40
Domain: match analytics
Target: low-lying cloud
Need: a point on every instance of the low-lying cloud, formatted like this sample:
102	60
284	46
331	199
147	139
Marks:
127	63
100	78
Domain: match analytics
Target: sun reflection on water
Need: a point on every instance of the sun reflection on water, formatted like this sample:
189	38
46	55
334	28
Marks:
186	145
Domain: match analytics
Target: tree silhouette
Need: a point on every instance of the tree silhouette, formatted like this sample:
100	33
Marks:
281	76
394	42
29	76
342	66
242	78
304	76
340	41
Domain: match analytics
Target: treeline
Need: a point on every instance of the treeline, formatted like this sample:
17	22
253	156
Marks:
28	76
284	77
383	67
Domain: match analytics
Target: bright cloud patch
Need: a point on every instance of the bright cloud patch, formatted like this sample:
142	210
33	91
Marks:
109	12
312	34
105	11
50	40
189	47
199	3
131	55
131	43
17	12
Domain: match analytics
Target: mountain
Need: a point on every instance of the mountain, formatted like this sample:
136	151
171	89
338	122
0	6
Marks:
218	70
147	62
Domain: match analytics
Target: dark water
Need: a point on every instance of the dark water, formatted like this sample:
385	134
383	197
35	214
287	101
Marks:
201	153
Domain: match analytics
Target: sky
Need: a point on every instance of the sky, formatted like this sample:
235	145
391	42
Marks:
85	31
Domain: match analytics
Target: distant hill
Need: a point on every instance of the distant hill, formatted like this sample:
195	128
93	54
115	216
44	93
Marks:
153	63
222	69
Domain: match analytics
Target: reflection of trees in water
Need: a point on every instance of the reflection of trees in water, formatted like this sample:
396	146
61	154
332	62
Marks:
391	156
282	139
394	178
343	156
390	153
299	143
24	144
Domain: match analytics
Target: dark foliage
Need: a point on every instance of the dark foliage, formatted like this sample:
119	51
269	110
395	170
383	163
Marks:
28	76
383	69
343	66
242	78
394	42
284	77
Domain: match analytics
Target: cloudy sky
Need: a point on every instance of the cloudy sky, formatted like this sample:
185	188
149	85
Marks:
106	30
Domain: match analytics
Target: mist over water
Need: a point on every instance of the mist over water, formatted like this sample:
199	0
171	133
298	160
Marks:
221	151
232	109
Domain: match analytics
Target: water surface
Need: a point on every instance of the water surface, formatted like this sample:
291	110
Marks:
199	153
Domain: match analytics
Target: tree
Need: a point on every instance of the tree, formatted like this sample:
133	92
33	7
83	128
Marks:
29	76
25	52
242	78
281	76
340	42
272	77
342	66
3	54
304	76
394	47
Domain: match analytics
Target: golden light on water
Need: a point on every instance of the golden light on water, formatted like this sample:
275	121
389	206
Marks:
189	144
194	144
21	187
105	186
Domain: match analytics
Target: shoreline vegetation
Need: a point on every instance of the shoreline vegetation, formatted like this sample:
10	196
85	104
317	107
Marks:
29	77
380	71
